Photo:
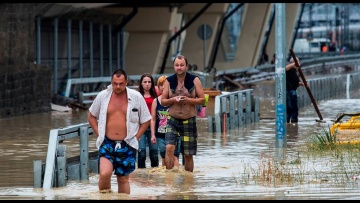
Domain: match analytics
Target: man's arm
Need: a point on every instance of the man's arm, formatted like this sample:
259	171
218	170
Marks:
93	123
153	120
200	97
165	101
142	129
290	66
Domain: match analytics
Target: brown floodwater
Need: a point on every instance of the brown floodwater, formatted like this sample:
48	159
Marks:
226	165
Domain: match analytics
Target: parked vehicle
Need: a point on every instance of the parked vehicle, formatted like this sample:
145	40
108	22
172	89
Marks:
316	45
334	34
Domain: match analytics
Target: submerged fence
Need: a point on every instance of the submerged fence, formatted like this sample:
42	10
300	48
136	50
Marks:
58	169
234	110
329	88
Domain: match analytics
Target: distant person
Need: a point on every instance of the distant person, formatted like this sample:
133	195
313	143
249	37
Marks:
343	49
264	58
292	83
332	47
324	48
273	59
182	92
159	114
147	90
118	117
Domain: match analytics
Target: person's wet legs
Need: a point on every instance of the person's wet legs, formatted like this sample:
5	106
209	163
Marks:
292	109
105	173
162	149
153	151
189	163
177	153
169	156
142	151
123	184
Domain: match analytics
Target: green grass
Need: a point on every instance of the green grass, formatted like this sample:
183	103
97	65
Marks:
320	160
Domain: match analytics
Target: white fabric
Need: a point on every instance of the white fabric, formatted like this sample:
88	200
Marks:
133	119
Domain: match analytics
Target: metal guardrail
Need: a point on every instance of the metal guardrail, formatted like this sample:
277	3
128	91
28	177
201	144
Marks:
250	75
306	62
326	88
56	171
233	110
76	81
87	97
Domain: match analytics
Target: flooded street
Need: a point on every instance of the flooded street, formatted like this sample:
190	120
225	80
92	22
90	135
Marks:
224	165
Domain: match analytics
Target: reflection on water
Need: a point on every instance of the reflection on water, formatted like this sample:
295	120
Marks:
219	165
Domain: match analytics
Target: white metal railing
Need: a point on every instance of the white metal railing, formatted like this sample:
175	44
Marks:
57	170
87	97
233	110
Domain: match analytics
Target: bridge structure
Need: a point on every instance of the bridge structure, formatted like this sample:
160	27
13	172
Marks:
47	44
92	39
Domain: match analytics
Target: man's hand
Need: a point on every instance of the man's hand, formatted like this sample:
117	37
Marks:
302	84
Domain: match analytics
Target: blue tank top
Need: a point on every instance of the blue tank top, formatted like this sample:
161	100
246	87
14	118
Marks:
161	119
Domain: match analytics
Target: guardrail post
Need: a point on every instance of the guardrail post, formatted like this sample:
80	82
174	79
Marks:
81	97
61	166
84	153
210	124
248	108
240	109
37	173
50	160
223	113
217	114
232	111
257	110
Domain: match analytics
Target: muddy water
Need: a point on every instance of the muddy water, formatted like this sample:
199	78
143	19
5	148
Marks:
222	165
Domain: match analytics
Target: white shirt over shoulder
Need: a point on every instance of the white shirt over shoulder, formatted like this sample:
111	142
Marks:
133	118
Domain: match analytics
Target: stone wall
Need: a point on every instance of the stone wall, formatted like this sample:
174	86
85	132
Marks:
24	86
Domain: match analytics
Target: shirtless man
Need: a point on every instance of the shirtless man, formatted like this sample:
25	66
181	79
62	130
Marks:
182	92
118	116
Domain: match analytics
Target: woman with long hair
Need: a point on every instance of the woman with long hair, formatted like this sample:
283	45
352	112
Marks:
147	90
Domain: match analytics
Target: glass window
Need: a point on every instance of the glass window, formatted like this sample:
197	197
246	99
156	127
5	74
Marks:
314	44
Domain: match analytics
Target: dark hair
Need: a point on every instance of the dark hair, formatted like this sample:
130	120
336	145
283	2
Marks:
181	57
152	88
118	73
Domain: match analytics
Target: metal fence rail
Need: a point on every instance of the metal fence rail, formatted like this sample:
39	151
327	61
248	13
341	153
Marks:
57	170
234	110
86	98
329	88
